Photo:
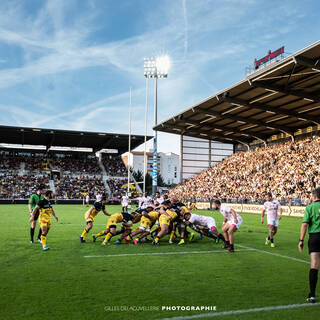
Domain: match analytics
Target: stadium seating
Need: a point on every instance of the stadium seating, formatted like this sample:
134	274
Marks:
289	171
21	172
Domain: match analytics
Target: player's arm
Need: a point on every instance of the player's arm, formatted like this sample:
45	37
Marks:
30	208
145	214
36	208
30	205
234	215
262	214
303	232
54	214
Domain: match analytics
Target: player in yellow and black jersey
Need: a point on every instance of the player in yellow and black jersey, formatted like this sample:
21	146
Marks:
148	219
166	219
125	218
126	230
45	211
91	214
180	209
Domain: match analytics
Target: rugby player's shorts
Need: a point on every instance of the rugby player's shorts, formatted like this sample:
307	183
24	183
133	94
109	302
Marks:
45	220
232	222
211	223
272	222
145	224
314	242
164	220
90	218
112	223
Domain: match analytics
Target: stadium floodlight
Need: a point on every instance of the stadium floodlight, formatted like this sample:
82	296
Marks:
163	66
155	68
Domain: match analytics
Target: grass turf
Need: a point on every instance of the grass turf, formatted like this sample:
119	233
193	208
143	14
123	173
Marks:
64	283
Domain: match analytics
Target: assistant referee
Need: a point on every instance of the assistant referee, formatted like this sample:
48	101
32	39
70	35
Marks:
311	222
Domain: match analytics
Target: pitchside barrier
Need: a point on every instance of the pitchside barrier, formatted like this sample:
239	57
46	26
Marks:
292	211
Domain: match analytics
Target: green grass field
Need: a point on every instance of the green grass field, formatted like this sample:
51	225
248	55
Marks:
83	281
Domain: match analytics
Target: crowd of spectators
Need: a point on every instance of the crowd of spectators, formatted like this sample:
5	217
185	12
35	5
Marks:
289	171
115	187
82	166
69	187
114	166
77	175
9	163
13	186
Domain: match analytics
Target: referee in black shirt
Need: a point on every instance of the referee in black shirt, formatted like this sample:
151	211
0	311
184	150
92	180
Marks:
311	222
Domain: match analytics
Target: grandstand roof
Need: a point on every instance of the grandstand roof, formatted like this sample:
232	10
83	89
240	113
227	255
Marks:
68	138
281	97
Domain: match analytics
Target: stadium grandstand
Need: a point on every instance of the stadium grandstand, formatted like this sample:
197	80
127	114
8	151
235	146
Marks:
272	120
72	163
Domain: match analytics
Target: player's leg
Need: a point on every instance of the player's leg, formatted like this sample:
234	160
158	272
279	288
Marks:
225	229
173	228
143	230
100	234
272	233
125	234
164	229
32	227
137	231
44	232
214	231
112	232
181	230
313	275
86	230
232	229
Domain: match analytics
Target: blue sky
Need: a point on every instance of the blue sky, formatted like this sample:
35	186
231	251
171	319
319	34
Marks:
70	64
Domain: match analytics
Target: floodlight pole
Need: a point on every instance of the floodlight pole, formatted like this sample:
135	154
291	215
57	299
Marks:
129	143
145	162
155	68
155	142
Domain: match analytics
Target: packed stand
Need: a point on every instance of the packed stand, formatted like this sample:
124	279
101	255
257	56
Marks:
289	171
13	186
115	166
69	187
77	174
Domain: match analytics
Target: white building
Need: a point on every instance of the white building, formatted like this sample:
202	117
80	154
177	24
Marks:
168	164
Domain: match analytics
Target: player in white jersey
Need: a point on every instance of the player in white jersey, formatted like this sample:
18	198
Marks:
149	201
232	222
158	198
271	207
142	201
204	224
87	199
98	197
124	202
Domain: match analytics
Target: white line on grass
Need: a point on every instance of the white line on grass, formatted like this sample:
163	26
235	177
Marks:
275	254
232	312
161	253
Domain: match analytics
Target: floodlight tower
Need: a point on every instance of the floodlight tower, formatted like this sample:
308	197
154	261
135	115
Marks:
155	68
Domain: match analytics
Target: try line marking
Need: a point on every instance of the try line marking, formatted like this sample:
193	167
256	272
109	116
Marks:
162	253
275	254
232	312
